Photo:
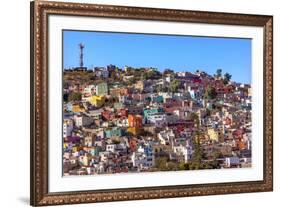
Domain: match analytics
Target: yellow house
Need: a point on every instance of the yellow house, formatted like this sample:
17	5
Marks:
134	130
213	134
97	101
65	145
74	149
76	108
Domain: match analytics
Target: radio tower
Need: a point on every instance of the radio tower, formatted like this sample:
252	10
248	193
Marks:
81	47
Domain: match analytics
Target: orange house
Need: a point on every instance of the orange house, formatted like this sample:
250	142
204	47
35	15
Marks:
240	144
135	120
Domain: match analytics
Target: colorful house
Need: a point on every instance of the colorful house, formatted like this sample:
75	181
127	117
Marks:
76	108
215	135
102	89
114	132
119	92
95	150
134	130
97	101
158	99
108	115
135	120
147	112
158	119
123	112
133	143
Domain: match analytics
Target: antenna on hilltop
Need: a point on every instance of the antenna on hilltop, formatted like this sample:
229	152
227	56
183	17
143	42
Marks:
81	47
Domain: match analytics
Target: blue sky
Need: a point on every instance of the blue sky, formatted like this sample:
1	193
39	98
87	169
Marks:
180	53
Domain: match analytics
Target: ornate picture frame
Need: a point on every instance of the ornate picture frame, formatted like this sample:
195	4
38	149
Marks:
39	178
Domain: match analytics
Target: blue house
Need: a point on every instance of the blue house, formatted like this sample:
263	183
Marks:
159	99
147	112
114	132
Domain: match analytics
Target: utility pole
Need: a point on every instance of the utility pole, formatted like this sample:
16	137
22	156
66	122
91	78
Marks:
81	47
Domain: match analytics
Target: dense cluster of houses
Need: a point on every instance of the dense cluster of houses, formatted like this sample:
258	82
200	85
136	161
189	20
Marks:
142	120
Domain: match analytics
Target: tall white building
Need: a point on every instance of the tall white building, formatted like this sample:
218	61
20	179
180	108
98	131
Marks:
67	127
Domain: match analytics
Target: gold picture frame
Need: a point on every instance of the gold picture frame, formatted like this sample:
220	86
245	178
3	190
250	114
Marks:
40	10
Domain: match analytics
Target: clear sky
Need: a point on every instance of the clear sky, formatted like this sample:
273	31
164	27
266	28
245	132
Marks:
180	53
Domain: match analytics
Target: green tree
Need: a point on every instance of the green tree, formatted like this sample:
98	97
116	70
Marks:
168	71
152	74
172	166
218	73
183	166
65	84
196	161
75	96
210	93
226	78
161	163
175	86
214	163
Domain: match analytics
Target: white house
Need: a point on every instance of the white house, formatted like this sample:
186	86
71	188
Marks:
99	132
81	120
166	95
143	158
166	137
67	127
185	151
141	161
110	147
232	161
138	160
159	119
89	90
98	168
122	123
188	152
88	141
102	72
192	92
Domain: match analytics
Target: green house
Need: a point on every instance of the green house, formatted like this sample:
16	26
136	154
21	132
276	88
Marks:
95	150
150	111
114	132
102	89
159	99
